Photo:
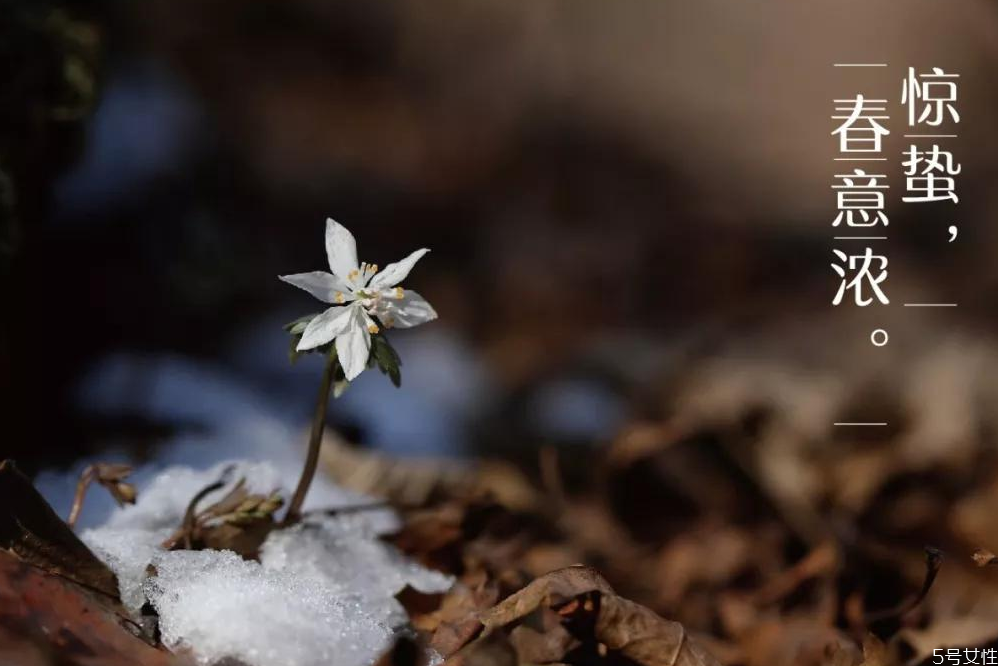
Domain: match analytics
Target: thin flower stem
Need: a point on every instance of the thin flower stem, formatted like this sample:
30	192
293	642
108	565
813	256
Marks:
81	490
314	443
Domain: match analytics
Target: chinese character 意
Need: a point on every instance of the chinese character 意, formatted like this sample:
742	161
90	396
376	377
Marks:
933	182
862	204
861	133
860	266
937	91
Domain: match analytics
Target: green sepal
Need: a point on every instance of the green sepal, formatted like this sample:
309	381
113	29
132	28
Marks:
383	355
296	328
386	358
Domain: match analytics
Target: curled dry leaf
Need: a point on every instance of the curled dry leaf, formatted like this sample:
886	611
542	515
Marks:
587	612
550	589
111	477
634	631
239	521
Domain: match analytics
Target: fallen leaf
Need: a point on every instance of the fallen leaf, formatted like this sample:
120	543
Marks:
543	641
552	588
491	650
796	641
32	531
46	619
239	522
456	621
111	477
636	632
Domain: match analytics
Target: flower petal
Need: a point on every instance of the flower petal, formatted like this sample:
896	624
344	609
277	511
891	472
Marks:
408	311
353	346
341	249
395	273
327	288
325	327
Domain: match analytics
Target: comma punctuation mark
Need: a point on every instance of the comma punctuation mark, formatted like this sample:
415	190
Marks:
879	337
952	233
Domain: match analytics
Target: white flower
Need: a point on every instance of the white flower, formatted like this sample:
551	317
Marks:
361	297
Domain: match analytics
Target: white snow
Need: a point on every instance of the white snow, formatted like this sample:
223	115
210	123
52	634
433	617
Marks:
323	592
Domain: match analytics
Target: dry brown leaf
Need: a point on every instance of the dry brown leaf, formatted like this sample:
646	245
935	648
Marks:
456	622
491	650
641	440
821	561
32	531
542	639
239	521
795	641
708	555
973	516
45	619
638	633
432	535
111	477
553	588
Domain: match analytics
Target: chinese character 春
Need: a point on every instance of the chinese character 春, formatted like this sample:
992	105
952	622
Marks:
861	268
936	90
927	182
861	133
860	205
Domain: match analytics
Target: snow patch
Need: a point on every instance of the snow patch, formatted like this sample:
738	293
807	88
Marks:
323	592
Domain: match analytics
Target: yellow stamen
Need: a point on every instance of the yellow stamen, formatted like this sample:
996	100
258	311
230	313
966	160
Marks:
339	298
374	268
372	329
399	293
352	275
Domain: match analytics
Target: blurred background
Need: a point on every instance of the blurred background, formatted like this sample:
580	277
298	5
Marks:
629	208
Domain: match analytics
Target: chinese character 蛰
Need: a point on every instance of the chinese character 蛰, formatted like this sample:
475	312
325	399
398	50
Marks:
927	183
